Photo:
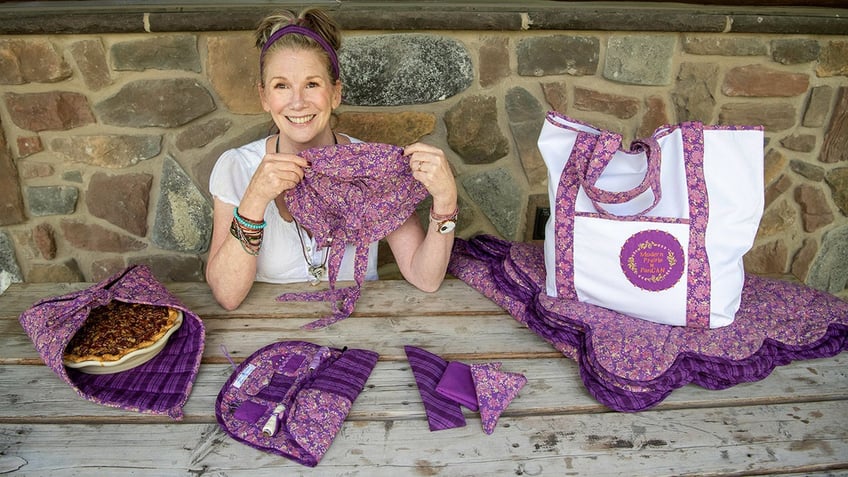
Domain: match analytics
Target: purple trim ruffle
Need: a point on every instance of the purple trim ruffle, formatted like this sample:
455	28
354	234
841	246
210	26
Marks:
630	364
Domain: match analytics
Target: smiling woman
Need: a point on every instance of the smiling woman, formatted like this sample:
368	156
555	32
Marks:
255	235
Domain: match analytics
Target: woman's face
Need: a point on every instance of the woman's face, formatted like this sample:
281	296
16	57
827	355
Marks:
300	96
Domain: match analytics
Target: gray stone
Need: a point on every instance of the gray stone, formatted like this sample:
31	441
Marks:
799	142
558	54
526	117
473	132
723	46
794	51
818	106
829	271
499	197
156	103
644	59
52	200
773	117
108	151
694	92
494	60
72	176
837	179
201	134
172	52
183	216
810	171
91	60
11	200
391	70
8	262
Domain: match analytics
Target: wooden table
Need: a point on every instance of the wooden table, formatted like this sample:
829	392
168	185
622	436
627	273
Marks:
795	422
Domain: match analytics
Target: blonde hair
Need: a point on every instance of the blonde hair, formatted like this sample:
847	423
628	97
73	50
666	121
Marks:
314	19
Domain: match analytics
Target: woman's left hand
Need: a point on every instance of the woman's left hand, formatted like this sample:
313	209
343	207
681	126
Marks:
431	168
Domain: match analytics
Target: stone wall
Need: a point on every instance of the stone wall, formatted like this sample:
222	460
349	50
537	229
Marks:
108	139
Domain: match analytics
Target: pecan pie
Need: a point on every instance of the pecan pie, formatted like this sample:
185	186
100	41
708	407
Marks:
117	329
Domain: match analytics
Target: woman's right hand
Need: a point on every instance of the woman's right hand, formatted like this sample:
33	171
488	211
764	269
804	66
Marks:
277	173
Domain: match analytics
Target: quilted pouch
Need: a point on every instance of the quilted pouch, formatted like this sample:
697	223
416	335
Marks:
291	398
159	386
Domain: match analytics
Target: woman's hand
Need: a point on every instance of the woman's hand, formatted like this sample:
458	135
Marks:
431	168
276	174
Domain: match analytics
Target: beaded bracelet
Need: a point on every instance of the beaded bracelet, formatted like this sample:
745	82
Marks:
440	217
245	222
250	239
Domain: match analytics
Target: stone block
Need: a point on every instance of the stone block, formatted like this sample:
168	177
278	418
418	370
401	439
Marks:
837	179
11	200
32	169
767	259
774	164
622	107
473	131
833	59
835	144
499	198
829	271
183	217
200	134
694	92
556	94
164	103
391	128
8	261
655	117
90	57
773	117
799	142
30	145
120	200
815	211
233	69
95	238
643	59
51	111
775	190
794	51
807	170
51	200
724	46
557	55
760	81
803	259
776	220
526	117
164	52
173	268
31	60
62	272
494	60
107	151
818	106
393	70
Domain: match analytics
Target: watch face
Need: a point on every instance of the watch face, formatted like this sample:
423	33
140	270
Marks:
447	226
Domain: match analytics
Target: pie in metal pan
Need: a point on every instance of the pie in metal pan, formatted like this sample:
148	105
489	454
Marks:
121	336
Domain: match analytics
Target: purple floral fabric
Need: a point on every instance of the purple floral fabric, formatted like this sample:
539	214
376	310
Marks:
314	386
159	386
495	390
629	364
352	194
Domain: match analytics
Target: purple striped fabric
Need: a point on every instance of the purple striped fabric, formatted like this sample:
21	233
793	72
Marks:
160	386
442	413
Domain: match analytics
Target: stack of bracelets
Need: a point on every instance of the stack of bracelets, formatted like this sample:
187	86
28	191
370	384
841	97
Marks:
248	232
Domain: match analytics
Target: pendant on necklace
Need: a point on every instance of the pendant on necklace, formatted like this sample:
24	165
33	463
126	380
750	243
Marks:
316	272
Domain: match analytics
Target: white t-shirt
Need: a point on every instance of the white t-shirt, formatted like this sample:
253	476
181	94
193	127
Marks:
281	257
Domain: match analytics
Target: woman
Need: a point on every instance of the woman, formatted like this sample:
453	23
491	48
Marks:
254	235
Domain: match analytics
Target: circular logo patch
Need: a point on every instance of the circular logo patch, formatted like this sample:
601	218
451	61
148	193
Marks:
652	260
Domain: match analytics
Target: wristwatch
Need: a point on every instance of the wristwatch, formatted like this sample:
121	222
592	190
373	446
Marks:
445	223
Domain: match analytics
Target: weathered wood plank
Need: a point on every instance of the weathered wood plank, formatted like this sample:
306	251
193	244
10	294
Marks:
33	394
379	298
753	440
474	336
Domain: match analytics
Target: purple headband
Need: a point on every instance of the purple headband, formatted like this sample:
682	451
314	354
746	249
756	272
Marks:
292	28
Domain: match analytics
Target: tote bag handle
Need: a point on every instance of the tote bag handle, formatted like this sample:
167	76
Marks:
591	165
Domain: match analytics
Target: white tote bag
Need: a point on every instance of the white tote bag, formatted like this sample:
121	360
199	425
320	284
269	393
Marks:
656	232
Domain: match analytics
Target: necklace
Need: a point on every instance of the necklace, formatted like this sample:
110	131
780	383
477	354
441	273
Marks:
316	271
